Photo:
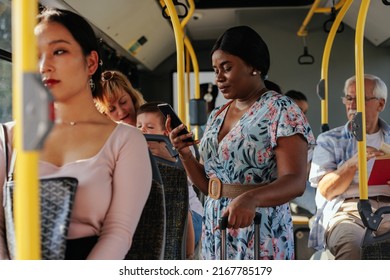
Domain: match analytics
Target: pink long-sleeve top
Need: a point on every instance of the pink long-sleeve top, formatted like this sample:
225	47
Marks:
112	191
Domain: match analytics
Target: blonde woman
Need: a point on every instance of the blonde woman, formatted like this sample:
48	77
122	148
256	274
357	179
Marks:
118	99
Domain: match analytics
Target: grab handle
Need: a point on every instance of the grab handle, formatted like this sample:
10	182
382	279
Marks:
305	58
328	24
178	6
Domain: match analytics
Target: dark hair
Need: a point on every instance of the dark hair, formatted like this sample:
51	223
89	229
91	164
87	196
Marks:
151	107
81	31
247	44
296	95
273	86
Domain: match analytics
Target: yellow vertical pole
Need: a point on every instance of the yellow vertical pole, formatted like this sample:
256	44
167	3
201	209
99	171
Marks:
195	66
190	54
191	57
302	32
188	84
325	58
179	55
26	196
360	96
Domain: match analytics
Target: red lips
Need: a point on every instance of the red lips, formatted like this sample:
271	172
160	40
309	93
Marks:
50	82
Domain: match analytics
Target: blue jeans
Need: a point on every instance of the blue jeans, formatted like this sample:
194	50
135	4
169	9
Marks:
197	221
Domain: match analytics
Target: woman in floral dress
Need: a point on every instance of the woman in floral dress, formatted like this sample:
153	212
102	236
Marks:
257	140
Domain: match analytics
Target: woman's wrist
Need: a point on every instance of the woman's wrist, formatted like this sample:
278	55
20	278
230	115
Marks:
185	157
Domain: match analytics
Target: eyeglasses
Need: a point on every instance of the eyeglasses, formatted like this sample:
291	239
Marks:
348	99
107	75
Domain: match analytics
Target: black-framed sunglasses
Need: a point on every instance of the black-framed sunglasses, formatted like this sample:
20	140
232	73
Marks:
107	75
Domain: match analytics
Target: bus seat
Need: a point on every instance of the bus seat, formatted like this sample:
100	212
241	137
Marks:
301	237
302	225
174	180
149	237
176	195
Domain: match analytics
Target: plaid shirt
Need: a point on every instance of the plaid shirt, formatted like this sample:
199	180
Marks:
334	147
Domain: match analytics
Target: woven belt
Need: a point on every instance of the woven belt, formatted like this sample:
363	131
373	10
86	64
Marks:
217	189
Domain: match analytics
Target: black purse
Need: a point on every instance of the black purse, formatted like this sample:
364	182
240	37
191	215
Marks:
56	201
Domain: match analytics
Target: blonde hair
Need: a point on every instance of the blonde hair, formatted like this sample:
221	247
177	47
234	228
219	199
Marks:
111	88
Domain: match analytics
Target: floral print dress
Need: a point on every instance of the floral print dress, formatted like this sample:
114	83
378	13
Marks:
246	156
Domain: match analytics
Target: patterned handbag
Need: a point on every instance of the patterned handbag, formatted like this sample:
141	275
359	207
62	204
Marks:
56	201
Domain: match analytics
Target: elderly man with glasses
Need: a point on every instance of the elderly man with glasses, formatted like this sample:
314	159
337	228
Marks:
334	172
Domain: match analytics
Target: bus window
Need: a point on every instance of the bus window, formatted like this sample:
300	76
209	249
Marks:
5	62
5	91
5	25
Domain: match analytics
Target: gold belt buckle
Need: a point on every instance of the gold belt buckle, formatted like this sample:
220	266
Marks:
215	188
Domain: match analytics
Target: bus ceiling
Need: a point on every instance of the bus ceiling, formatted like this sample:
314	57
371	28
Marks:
141	35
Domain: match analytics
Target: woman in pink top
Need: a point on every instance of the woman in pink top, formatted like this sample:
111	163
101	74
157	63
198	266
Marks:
110	160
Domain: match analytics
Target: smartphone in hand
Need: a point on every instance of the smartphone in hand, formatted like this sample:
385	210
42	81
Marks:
167	109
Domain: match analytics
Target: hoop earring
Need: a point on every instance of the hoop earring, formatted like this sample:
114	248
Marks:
92	84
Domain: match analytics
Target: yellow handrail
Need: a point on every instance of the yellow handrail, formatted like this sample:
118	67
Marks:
325	59
195	67
328	10
314	9
188	80
360	96
302	30
190	13
190	57
26	197
179	55
190	53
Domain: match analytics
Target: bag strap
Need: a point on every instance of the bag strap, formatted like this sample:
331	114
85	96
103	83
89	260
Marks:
9	168
12	167
222	108
5	147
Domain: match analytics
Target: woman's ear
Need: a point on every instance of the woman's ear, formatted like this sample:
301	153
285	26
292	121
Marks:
255	72
92	62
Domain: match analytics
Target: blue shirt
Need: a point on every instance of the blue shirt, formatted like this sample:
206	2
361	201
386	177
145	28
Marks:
334	147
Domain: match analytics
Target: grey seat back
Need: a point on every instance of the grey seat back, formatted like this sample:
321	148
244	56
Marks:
176	194
174	180
150	236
